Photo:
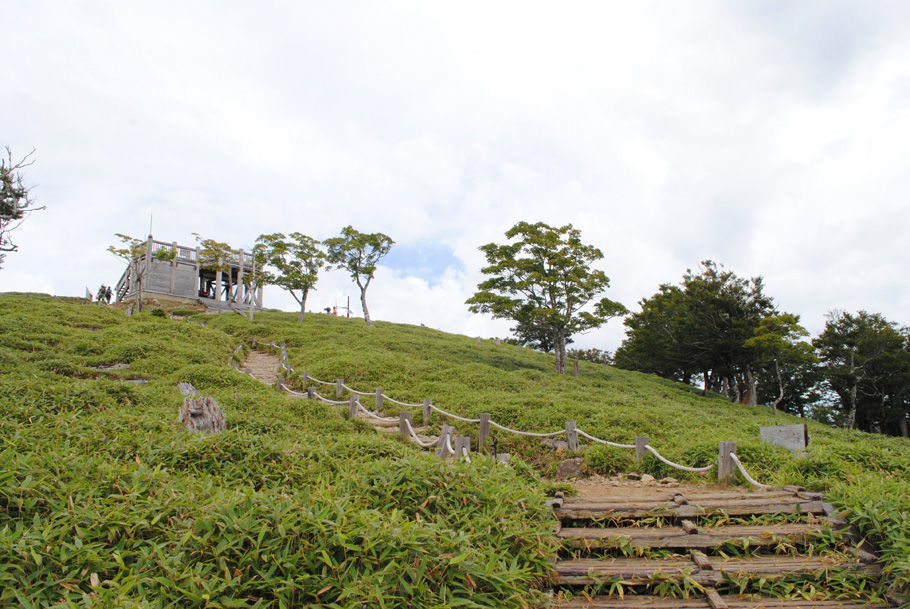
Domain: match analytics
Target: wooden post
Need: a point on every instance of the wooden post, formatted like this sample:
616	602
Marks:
378	399
478	340
571	435
498	341
575	368
404	419
484	433
339	390
173	265
306	377
218	279
460	443
427	411
249	292
198	281
310	391
353	406
442	452
640	451
238	293
725	467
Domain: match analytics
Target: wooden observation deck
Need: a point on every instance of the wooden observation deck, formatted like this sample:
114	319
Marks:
176	272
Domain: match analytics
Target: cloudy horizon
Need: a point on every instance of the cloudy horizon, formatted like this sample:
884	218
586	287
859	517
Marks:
769	137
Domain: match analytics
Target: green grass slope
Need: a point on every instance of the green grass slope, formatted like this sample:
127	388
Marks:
294	505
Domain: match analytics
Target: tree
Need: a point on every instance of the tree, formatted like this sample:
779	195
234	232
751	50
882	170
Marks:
534	336
296	261
700	326
865	359
15	203
136	253
358	253
543	280
781	352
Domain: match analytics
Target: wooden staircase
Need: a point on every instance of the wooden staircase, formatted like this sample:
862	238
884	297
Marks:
693	540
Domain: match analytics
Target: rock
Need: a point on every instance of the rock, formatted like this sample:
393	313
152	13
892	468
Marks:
570	468
557	445
647	478
668	480
633	476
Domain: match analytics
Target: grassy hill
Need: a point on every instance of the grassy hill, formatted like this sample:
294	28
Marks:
294	504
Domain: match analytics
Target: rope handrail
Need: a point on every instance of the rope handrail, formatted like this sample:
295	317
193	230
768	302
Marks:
328	401
684	468
527	433
416	438
464	453
745	474
607	442
376	416
358	392
385	397
449	414
449	444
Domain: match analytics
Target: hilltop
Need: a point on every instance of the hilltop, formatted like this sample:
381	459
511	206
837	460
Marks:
98	478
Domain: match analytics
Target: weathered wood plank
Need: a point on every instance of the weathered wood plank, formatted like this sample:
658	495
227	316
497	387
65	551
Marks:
745	508
679	537
639	571
732	602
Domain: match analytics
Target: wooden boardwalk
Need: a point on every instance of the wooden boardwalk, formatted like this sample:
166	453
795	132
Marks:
691	524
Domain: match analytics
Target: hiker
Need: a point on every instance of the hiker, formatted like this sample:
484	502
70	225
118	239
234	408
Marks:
108	293
101	292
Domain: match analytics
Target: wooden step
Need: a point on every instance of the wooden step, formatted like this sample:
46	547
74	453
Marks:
700	602
640	571
677	537
731	507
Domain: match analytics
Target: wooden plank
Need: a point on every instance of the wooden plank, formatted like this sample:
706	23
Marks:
731	601
634	602
640	571
747	508
678	537
715	599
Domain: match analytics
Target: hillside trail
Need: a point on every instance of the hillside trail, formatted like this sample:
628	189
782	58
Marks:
264	367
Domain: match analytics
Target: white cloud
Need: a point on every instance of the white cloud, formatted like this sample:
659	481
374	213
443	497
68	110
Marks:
769	137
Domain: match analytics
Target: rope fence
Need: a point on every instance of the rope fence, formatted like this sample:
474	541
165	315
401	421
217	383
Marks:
726	464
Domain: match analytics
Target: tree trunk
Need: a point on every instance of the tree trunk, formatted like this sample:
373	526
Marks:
780	384
751	393
138	285
902	425
363	303
851	415
559	346
302	302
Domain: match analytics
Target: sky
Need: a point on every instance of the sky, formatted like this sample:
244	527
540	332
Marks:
771	137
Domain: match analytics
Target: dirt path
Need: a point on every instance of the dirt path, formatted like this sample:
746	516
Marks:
263	366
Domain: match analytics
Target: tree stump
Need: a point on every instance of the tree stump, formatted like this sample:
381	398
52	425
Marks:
202	414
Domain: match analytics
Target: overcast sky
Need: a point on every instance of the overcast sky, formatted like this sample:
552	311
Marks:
769	136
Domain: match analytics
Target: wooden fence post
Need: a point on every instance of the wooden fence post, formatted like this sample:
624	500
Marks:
571	435
484	433
461	444
442	452
498	341
427	411
640	451
724	462
311	393
306	377
478	340
404	419
378	400
339	390
353	406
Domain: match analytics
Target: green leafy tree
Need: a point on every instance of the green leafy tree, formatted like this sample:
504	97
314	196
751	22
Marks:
700	326
782	352
136	254
358	254
865	359
290	262
15	202
543	280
